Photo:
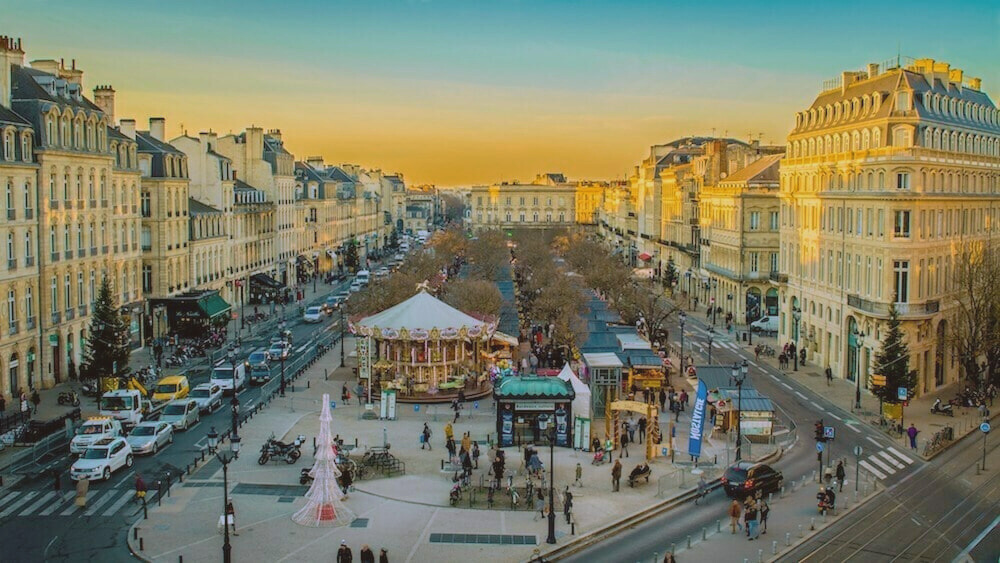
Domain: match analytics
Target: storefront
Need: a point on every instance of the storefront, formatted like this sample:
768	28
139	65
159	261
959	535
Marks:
265	289
191	313
521	403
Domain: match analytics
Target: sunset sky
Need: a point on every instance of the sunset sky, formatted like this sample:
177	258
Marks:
462	92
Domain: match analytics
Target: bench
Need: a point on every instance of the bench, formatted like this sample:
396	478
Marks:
634	478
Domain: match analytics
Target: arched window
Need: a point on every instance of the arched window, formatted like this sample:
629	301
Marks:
876	138
865	139
836	143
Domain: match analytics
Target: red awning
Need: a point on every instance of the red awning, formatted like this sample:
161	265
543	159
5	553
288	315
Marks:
645	256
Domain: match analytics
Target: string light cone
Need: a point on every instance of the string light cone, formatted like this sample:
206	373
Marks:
324	500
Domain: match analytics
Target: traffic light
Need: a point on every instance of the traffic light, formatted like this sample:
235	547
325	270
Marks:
818	431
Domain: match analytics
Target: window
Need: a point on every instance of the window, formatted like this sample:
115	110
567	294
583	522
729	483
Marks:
10	197
27	247
10	247
145	205
754	262
79	236
774	220
147	279
12	308
901	224
903	181
52	240
901	277
774	261
66	292
66	240
79	289
93	293
54	296
754	220
29	304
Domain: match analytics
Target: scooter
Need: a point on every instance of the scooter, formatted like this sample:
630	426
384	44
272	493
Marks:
273	448
824	503
456	494
90	390
69	398
942	408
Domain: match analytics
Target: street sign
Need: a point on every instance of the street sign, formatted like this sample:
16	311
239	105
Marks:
857	451
663	452
828	432
333	404
878	380
901	393
819	447
985	427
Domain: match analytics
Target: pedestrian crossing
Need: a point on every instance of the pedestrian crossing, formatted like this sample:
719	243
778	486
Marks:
100	502
885	462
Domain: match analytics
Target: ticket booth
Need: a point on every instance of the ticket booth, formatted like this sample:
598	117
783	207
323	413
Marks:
521	402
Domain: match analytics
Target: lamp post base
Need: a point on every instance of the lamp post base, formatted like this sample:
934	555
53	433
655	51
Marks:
552	528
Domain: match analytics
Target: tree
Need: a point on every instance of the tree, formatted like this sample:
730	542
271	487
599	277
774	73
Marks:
108	341
394	238
974	330
893	362
351	255
487	255
454	207
474	296
670	273
643	301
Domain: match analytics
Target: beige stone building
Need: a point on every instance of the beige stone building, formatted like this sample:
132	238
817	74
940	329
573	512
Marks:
888	173
506	206
739	238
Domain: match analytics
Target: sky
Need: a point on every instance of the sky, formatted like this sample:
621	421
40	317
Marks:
473	92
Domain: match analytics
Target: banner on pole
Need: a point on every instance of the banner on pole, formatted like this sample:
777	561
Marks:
697	420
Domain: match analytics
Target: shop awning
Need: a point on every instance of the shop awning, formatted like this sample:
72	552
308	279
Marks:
213	305
533	387
645	256
265	281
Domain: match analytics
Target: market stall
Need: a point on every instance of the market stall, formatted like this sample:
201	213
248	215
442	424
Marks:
581	408
523	401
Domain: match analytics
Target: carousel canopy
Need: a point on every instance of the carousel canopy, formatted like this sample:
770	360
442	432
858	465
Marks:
422	317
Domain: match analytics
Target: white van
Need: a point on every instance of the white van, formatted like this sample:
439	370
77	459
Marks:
222	375
363	277
765	325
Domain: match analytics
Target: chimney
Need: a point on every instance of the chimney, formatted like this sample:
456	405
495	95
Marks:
872	70
104	97
127	127
976	84
255	142
205	141
157	128
10	55
274	134
46	65
316	162
955	76
941	72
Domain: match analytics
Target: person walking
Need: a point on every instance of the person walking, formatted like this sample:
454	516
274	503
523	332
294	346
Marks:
683	398
567	503
427	437
345	395
841	473
467	442
475	454
140	489
632	427
344	554
625	441
231	516
383	556
450	446
346	479
829	376
734	516
539	505
750	518
35	399
579	475
642	428
663	399
449	432
912	433
367	555
765	509
616	475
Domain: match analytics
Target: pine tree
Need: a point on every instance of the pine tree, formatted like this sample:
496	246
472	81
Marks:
893	361
108	342
670	274
351	255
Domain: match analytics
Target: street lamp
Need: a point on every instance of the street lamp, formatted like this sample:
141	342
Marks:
159	314
342	333
231	356
859	338
551	434
225	458
740	372
797	316
683	318
711	335
715	293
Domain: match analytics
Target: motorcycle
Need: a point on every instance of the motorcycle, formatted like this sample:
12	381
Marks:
939	408
90	390
290	453
456	494
304	477
824	503
69	398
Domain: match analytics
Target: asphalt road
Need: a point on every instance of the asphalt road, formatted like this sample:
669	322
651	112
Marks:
39	524
796	403
933	515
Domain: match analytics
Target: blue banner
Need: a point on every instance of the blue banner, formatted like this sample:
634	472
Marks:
697	420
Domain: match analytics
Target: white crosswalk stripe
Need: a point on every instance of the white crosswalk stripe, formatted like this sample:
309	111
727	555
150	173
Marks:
57	504
892	460
93	505
48	497
125	497
868	467
16	504
104	502
8	497
901	455
878	462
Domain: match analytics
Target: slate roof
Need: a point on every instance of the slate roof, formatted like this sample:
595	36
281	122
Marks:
337	174
196	207
148	144
25	86
114	133
764	169
243	186
10	116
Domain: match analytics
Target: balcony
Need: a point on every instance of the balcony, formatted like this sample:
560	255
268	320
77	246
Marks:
778	277
12	263
53	204
134	209
29	213
14	327
70	313
82	310
93	204
68	254
56	317
145	247
11	214
31	323
79	204
104	203
104	249
81	252
135	246
905	310
693	221
69	204
54	257
29	261
93	251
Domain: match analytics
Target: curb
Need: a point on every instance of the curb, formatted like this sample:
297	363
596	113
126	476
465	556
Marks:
957	439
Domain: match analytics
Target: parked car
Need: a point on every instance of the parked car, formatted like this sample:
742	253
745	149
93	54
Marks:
746	478
356	286
171	387
93	431
344	296
313	315
208	396
278	351
765	325
101	460
382	272
182	413
149	437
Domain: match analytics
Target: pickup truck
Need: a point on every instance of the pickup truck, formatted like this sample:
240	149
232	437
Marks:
94	429
127	406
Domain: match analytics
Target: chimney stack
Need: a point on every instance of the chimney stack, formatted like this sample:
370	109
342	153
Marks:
274	134
127	128
955	76
976	84
11	54
104	97
872	70
316	162
157	128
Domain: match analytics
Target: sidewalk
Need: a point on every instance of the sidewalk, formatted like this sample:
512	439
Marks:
404	514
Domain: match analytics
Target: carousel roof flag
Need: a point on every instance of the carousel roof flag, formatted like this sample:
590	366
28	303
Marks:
324	500
423	317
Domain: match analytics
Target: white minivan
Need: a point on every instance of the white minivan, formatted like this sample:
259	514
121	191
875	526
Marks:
765	325
363	277
222	375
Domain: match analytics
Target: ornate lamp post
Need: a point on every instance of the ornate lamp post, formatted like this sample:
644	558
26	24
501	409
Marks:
231	356
711	335
797	316
281	329
859	339
683	318
739	374
225	458
550	431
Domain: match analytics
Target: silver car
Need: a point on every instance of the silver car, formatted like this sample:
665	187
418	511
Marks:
182	413
149	437
207	395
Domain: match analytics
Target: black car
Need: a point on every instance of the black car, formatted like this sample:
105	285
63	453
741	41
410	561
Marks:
746	477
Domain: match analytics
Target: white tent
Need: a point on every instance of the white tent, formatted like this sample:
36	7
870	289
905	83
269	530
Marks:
581	403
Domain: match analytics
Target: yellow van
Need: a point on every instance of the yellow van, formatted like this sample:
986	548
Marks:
171	387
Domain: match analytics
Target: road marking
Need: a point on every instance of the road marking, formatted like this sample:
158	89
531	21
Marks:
72	508
871	469
787	386
835	416
801	395
892	460
55	505
8	498
41	500
915	521
772	376
851	426
879	463
874	441
815	404
12	507
900	455
126	496
92	508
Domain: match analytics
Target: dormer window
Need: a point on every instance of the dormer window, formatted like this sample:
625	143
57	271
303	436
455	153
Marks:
26	147
903	100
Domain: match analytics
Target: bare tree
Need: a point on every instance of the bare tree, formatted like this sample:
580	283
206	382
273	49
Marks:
975	327
474	296
643	303
487	254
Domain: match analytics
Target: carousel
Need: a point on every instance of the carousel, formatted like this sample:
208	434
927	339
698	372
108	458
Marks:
428	351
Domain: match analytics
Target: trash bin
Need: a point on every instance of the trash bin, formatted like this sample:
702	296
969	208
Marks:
744	337
949	433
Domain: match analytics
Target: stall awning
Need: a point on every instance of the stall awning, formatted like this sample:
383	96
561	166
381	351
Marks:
213	306
533	387
645	256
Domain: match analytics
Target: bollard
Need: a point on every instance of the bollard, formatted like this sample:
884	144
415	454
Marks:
704	533
442	464
142	545
135	533
781	494
314	443
689	542
812	523
159	489
180	559
770	498
308	385
774	547
145	514
203	455
760	555
788	539
572	528
718	526
800	531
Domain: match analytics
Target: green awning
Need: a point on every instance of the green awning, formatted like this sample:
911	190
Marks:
533	387
213	306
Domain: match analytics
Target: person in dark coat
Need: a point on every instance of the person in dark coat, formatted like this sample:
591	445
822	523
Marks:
383	556
367	555
344	554
616	475
346	479
642	428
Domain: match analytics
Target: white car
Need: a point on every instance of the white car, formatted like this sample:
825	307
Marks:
355	287
95	429
149	437
278	351
101	460
182	413
208	396
313	315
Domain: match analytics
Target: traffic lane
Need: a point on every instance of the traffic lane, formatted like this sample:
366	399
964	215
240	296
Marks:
29	539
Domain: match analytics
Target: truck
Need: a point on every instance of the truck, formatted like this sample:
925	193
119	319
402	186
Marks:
94	429
130	405
222	375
